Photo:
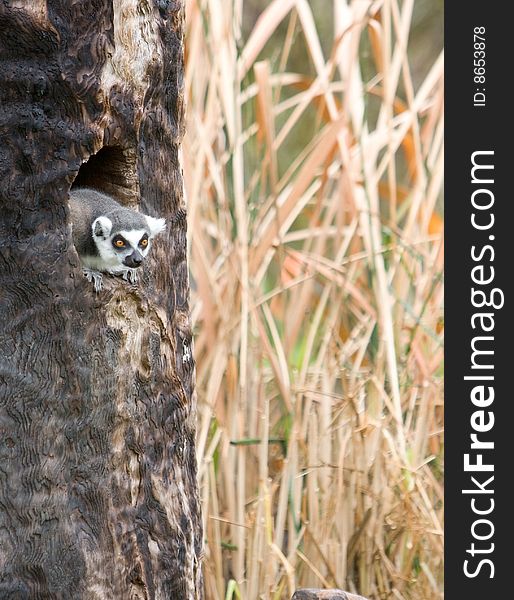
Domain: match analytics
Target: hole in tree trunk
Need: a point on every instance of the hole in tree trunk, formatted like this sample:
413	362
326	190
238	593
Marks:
111	170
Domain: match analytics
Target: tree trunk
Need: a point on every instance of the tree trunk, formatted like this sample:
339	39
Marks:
98	490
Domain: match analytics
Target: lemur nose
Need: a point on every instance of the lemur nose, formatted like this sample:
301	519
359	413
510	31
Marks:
134	260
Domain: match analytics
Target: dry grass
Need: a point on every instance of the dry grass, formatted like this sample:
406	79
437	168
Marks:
316	267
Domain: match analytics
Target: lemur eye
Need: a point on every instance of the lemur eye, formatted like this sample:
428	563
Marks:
119	243
143	242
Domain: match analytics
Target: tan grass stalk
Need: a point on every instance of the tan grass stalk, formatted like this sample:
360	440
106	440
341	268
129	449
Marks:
313	174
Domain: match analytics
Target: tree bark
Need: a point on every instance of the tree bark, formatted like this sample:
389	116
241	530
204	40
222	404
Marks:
98	490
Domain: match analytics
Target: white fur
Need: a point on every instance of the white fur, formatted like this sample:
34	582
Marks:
156	225
105	225
97	263
108	258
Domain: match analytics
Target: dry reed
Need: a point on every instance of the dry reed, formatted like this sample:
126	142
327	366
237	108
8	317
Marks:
316	257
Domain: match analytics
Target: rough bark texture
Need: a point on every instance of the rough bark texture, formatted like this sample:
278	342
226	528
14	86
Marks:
98	491
311	594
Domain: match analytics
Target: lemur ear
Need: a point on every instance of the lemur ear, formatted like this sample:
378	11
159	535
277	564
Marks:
156	225
102	227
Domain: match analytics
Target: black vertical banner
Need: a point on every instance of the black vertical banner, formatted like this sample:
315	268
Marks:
479	319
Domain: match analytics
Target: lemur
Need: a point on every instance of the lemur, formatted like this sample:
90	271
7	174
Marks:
110	238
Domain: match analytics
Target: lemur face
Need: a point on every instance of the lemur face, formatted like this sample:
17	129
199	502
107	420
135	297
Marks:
124	248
